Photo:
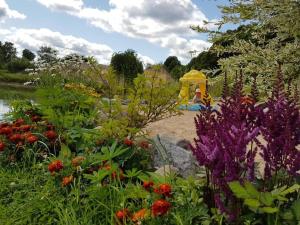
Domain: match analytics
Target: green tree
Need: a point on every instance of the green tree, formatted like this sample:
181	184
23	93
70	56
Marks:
272	36
18	65
47	54
127	64
27	54
7	52
204	61
171	62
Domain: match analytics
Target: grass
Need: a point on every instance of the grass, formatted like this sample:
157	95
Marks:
15	92
8	77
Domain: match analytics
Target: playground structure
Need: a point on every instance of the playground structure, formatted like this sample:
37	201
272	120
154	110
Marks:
198	80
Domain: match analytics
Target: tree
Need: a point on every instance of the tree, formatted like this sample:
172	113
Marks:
47	54
18	65
127	64
7	52
27	54
171	62
206	60
272	38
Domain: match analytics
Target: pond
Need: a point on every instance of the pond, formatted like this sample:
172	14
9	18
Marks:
10	92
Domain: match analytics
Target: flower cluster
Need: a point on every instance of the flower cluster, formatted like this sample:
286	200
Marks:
22	132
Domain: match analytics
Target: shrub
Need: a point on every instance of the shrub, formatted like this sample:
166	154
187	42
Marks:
18	65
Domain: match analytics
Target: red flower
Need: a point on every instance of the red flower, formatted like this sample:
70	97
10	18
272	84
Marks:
25	128
114	174
32	138
164	189
35	118
144	144
128	142
3	125
19	122
55	166
6	130
147	185
160	207
122	214
2	146
67	180
50	134
15	138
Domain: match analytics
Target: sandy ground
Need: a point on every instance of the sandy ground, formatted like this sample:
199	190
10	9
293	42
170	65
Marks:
179	127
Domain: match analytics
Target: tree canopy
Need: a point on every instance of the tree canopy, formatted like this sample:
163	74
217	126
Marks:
27	54
127	64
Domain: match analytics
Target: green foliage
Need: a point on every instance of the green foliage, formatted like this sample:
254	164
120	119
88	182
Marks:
7	52
273	203
151	99
27	54
47	54
18	65
204	61
127	65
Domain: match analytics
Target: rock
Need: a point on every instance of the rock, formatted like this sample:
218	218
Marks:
166	152
186	144
166	170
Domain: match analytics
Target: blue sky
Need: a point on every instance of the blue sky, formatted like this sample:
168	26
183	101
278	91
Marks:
154	28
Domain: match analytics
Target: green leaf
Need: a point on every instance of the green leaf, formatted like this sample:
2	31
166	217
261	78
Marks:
291	189
251	190
269	209
253	203
296	209
266	198
238	190
65	152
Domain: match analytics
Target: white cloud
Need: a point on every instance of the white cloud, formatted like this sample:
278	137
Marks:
6	12
34	38
157	21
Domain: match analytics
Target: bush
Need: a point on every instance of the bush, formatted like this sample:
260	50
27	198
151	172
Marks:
18	65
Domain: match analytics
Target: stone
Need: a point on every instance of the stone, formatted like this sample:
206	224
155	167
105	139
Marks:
167	152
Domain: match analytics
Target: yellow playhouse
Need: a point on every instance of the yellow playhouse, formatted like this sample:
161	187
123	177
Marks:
196	78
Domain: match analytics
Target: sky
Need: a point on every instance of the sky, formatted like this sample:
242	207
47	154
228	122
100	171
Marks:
155	29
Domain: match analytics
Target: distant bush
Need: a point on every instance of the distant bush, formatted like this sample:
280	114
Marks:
18	65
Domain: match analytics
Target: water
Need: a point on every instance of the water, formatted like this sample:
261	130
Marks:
3	108
8	92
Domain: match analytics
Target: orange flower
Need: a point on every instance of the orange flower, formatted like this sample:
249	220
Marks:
32	138
77	160
114	174
6	130
2	146
160	207
55	166
122	214
25	128
128	142
147	185
15	138
67	180
19	122
246	100
139	215
164	189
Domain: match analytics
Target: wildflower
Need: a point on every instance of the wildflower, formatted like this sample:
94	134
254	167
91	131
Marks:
122	214
2	146
114	174
164	189
128	142
55	166
25	128
77	160
160	207
139	215
67	180
19	122
15	138
144	144
50	134
35	118
6	130
32	138
147	185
